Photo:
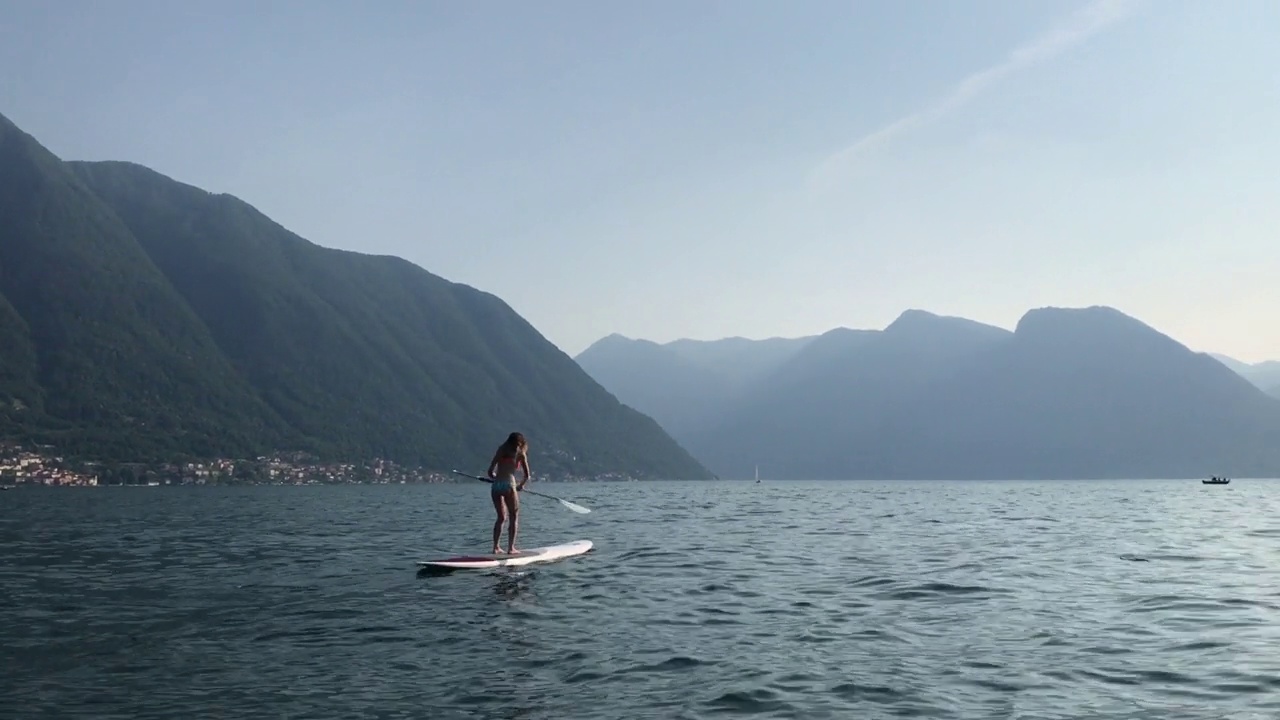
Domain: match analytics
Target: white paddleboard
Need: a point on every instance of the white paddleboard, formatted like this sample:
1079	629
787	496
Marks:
521	557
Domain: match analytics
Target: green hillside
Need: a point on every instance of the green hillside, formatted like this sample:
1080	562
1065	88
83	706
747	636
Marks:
102	354
153	318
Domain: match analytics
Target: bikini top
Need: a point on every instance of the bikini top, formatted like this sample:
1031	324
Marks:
517	459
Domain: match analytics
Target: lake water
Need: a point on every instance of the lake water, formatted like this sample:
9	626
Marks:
801	600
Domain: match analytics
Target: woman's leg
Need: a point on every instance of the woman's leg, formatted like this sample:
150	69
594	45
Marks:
497	526
513	510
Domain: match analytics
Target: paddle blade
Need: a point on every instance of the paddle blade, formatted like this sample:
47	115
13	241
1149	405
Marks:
575	507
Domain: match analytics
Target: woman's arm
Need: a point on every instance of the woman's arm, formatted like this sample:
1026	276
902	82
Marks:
524	461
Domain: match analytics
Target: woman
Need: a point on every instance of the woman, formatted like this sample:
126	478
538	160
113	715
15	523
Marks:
511	456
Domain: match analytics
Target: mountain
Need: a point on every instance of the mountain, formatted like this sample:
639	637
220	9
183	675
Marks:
739	361
835	394
98	348
684	384
1090	393
143	317
671	389
1236	366
1070	393
1265	375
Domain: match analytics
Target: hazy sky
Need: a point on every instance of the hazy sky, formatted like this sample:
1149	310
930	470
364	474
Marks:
705	169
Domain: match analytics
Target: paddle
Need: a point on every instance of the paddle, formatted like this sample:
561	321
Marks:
572	506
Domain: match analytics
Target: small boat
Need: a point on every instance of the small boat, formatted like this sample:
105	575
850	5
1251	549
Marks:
1216	481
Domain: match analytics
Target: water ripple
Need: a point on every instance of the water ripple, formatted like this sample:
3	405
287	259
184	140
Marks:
781	600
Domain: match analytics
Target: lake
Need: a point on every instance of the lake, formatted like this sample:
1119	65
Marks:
1135	599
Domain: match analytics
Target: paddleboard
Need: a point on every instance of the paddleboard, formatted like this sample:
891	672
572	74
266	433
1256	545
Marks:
522	557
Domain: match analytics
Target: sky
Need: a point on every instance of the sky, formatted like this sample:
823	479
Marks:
716	168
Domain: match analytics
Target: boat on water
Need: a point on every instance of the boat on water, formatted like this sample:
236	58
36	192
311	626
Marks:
1216	481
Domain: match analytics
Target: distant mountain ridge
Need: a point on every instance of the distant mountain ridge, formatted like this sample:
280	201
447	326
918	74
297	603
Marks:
685	381
1265	375
142	318
1069	393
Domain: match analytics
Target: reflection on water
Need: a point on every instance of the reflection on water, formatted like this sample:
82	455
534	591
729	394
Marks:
512	584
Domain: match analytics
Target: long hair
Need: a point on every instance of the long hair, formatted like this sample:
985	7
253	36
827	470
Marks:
515	443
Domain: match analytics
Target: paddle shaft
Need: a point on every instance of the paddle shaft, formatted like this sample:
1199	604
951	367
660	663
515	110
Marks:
572	506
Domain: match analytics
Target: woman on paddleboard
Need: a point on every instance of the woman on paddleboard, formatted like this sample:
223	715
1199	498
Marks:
510	457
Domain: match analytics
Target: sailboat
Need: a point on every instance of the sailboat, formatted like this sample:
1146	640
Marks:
757	473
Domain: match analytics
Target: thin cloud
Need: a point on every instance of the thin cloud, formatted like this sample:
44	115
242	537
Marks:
1090	20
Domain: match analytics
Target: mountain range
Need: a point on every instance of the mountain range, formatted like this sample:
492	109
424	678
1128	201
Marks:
146	319
1069	393
1265	375
142	318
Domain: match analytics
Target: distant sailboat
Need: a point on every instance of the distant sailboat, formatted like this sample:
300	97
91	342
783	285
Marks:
757	473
